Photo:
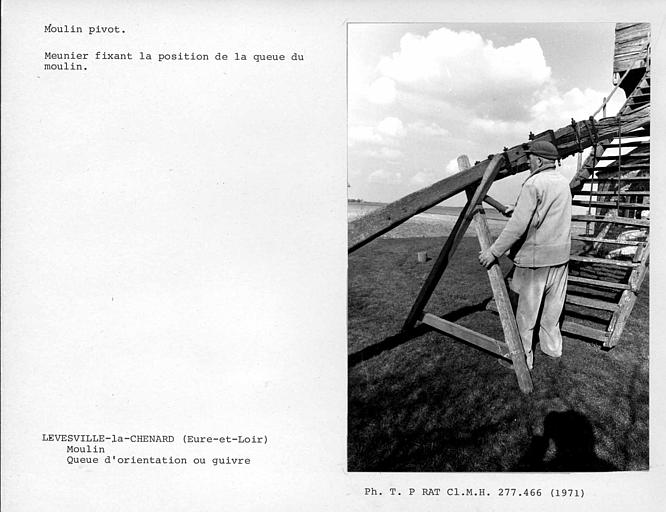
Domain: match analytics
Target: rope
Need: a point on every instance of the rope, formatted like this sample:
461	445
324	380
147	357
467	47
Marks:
619	163
591	128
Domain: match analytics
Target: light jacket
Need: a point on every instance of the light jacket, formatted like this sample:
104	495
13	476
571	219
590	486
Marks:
538	234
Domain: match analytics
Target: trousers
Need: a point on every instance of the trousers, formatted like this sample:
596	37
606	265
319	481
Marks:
541	293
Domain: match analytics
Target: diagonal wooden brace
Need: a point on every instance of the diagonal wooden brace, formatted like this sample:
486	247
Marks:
452	242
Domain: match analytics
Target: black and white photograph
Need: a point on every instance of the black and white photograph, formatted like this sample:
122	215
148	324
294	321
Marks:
331	256
499	247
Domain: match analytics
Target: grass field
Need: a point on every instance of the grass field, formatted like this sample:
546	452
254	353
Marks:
433	404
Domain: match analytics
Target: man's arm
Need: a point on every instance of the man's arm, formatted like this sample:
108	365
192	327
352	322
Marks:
515	228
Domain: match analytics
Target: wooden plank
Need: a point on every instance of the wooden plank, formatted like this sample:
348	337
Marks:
604	261
624	178
584	330
631	41
598	282
591	303
613	193
620	317
501	296
611	220
610	241
628	300
611	204
492	345
627	159
368	227
633	167
452	242
638	275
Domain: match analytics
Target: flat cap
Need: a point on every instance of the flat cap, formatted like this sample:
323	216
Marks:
543	149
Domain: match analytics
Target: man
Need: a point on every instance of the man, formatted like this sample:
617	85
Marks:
538	238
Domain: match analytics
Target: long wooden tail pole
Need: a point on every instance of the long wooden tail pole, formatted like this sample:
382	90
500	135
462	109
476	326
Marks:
370	226
452	241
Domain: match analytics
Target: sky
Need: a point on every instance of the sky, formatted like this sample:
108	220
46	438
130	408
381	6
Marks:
420	95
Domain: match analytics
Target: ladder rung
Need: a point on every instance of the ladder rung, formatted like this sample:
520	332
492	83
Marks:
598	282
613	193
591	303
611	220
614	180
592	239
610	204
604	261
584	330
625	168
463	333
624	157
636	144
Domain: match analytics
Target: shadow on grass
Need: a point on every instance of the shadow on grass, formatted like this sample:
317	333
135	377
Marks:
567	444
404	336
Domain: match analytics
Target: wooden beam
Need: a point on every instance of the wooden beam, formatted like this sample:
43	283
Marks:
603	261
492	345
611	220
598	282
584	330
591	303
611	241
368	227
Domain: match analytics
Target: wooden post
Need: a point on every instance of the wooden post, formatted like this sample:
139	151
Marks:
452	242
502	301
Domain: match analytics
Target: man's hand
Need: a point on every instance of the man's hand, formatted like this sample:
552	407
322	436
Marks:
487	258
508	210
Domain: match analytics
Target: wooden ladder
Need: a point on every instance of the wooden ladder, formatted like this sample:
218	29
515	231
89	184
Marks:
611	242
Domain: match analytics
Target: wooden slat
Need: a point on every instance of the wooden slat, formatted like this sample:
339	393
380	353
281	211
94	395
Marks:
623	179
625	167
591	303
610	204
613	193
598	282
593	239
636	144
584	330
368	227
624	157
492	345
611	220
628	299
604	261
